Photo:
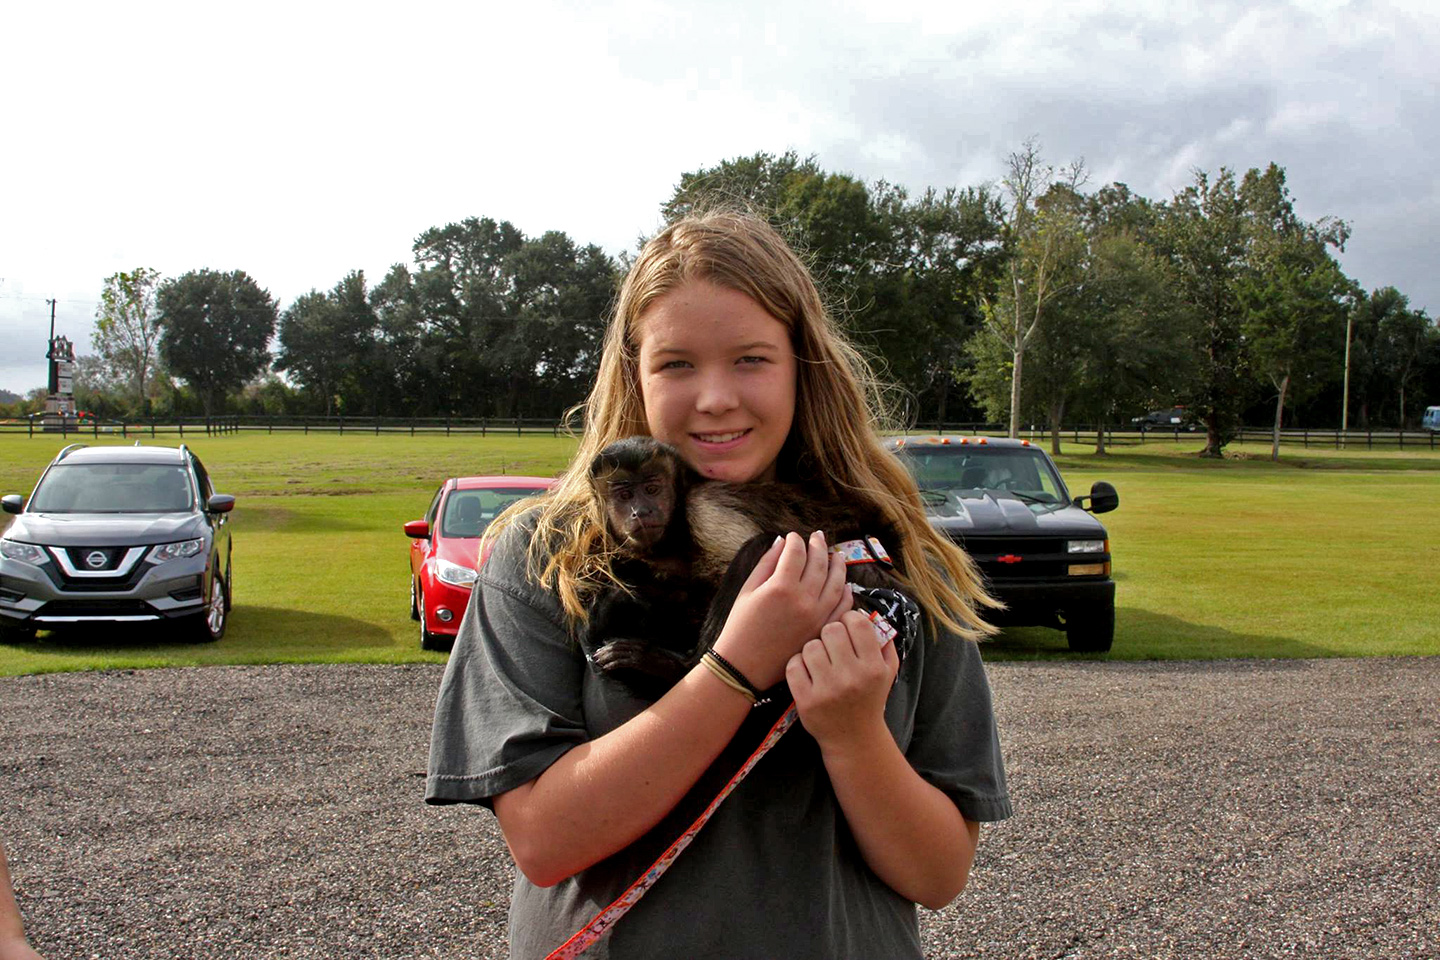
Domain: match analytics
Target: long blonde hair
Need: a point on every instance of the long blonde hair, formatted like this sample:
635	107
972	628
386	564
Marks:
833	445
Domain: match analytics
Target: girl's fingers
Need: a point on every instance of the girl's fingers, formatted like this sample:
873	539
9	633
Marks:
793	555
817	564
765	566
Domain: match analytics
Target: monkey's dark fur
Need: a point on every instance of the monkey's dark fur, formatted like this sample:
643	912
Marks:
686	547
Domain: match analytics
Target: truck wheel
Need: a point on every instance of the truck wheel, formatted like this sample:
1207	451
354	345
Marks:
1091	630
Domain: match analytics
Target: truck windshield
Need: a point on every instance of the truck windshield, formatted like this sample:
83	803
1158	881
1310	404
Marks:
955	469
113	488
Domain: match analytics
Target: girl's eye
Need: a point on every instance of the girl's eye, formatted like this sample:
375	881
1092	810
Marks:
752	359
674	365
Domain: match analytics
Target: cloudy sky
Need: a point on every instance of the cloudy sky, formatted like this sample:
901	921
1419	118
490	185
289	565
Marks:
298	141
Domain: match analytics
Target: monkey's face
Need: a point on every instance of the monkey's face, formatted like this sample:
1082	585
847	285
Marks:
638	508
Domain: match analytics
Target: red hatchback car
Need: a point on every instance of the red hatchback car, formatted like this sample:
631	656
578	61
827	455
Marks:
444	549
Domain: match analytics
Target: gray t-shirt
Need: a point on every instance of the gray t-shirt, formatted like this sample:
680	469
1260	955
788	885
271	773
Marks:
776	872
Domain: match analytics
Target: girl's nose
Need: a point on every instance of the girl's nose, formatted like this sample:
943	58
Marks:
718	394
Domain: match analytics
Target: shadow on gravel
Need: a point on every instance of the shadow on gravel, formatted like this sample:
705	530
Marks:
1144	634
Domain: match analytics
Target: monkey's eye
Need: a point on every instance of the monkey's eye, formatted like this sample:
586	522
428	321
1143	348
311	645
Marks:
652	489
624	493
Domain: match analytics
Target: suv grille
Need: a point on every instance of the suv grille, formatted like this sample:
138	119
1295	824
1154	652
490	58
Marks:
96	569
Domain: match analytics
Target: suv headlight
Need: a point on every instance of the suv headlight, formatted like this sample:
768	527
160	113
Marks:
24	552
1086	546
454	573
176	551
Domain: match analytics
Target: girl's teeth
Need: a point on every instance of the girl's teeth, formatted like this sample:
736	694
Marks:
721	437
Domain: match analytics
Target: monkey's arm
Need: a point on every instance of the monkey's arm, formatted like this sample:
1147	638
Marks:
602	795
909	832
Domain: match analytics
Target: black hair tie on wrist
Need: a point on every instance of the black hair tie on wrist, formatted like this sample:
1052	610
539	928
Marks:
737	676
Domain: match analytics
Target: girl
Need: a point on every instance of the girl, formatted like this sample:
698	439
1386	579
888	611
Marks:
720	346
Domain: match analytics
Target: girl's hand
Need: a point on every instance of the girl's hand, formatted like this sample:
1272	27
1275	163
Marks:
796	588
840	682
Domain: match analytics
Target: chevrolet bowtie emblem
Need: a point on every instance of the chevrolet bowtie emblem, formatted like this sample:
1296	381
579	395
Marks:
1009	558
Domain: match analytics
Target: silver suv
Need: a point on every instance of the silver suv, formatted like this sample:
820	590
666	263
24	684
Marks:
117	534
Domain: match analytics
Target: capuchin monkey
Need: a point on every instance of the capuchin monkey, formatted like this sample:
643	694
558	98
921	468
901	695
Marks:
686	547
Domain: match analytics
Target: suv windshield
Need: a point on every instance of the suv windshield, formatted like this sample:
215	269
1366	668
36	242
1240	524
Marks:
1022	471
113	488
469	512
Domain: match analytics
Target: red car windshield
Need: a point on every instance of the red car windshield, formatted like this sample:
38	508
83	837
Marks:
468	512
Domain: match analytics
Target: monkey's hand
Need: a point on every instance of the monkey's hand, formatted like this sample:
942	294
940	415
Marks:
621	656
840	682
796	588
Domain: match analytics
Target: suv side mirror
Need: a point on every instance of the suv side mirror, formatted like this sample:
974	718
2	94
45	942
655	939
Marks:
220	503
417	530
12	503
1103	498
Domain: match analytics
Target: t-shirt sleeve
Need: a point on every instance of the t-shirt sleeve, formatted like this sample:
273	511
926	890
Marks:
510	702
955	744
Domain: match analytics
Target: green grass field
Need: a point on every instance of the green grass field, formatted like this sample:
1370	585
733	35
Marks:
1327	553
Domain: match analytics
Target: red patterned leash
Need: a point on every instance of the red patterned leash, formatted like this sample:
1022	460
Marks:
587	935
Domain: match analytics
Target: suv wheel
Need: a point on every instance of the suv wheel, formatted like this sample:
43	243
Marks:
210	625
428	640
1091	630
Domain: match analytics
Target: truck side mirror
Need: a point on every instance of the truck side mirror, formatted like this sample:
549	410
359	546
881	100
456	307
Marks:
1103	498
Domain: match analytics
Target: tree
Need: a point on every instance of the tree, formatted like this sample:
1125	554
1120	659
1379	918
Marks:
491	322
324	338
1043	237
1295	316
1103	343
944	257
1203	234
216	328
1406	339
127	331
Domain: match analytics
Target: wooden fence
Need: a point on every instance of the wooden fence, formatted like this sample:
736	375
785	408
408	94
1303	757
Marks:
43	425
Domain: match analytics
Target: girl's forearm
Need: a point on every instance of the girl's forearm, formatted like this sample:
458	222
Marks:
603	795
909	832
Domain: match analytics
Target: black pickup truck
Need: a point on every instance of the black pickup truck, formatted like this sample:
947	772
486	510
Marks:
1040	550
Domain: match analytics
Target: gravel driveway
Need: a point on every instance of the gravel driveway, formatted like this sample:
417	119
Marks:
1218	809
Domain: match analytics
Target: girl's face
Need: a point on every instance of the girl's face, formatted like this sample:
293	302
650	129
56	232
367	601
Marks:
717	376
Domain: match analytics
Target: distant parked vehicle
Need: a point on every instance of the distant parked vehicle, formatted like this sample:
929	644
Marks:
118	534
1431	420
444	549
1171	418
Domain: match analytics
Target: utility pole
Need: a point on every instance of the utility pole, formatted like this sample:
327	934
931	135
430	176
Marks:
1345	401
